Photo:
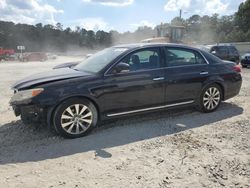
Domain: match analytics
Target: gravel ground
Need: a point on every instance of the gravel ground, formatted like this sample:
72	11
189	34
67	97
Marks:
177	148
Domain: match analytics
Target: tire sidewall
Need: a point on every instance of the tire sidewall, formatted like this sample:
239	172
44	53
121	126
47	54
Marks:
201	104
65	104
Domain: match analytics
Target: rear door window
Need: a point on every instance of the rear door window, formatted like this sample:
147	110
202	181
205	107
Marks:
183	57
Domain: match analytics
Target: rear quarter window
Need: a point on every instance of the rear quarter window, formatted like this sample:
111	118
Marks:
211	58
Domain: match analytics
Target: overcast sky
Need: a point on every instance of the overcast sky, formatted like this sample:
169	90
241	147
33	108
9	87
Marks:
121	15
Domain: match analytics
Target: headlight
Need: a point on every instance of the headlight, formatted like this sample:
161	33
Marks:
26	94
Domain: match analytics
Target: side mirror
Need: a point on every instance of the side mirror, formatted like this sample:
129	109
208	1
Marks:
214	52
122	67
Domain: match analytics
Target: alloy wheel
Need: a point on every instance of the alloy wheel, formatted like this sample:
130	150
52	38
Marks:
76	119
211	98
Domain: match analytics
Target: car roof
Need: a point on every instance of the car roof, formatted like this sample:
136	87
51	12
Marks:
219	45
142	45
246	54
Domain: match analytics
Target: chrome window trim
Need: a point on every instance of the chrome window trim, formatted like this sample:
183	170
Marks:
139	71
203	56
160	68
151	108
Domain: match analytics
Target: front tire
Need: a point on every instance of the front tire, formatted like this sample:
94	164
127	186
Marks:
210	98
75	118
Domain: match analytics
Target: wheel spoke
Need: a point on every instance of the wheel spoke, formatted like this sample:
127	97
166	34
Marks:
70	128
210	91
86	120
205	103
77	128
77	108
66	117
212	104
217	93
67	124
82	126
69	111
214	90
87	115
207	93
209	104
83	110
215	102
205	98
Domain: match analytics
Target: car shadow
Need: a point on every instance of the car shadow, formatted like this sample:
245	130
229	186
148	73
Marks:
19	143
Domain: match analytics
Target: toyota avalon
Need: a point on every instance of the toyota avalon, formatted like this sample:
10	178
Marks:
125	80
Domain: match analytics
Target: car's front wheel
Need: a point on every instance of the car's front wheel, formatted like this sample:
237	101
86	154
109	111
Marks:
210	98
75	118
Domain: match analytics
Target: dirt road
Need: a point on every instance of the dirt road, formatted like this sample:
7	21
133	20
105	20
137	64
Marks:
177	148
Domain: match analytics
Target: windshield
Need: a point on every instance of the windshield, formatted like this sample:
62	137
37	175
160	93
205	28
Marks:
99	60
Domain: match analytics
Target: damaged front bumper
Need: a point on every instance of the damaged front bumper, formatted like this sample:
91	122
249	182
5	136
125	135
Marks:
28	111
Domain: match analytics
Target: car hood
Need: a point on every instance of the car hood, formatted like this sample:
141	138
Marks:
49	76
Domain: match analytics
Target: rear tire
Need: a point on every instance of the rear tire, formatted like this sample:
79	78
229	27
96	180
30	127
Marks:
75	118
210	98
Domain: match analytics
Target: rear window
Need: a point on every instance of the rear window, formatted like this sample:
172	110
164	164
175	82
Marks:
211	58
233	50
222	50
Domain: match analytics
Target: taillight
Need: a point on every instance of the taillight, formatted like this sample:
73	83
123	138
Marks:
237	68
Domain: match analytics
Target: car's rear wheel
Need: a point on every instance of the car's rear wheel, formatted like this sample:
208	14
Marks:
210	98
75	118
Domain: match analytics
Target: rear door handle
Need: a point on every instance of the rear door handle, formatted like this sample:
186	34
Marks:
203	73
158	78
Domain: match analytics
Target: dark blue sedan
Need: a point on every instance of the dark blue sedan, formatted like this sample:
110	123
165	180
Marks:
125	80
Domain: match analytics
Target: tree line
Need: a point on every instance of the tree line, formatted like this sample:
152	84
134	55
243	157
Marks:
199	29
50	38
209	29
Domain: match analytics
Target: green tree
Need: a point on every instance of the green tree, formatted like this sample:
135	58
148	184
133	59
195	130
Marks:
242	18
178	21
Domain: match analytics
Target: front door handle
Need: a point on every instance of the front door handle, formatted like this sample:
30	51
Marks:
158	78
203	73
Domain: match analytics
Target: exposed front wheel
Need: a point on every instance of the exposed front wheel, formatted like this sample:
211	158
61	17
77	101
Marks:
210	98
75	118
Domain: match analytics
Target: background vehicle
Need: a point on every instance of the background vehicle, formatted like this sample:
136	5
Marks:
167	34
35	56
64	65
6	53
70	64
125	80
224	51
51	56
245	61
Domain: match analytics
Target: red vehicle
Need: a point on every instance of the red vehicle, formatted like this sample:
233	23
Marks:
5	53
35	56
